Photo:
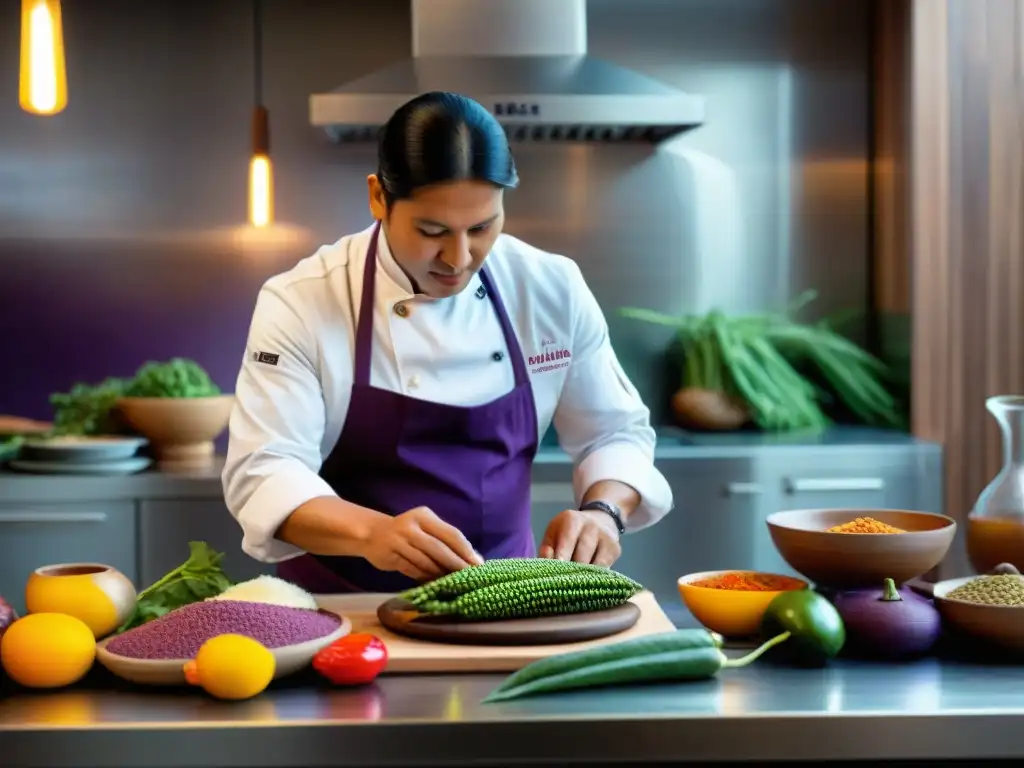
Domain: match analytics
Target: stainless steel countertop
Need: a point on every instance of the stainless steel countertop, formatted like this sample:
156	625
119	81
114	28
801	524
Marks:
928	710
673	445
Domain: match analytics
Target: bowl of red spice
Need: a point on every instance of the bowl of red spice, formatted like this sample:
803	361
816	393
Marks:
855	548
732	603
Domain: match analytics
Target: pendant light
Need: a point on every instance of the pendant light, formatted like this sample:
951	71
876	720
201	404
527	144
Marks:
261	172
42	82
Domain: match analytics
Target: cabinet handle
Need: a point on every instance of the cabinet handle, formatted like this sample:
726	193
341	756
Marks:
52	517
826	484
552	493
743	489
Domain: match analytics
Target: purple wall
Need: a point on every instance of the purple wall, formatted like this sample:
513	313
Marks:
91	310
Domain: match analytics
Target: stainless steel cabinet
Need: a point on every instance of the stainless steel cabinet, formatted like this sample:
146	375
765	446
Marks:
719	519
865	477
167	526
725	488
34	535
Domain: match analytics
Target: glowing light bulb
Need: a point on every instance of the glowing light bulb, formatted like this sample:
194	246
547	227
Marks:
261	171
42	84
261	191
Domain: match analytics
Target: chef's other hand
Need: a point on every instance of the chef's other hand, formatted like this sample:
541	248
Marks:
585	537
420	545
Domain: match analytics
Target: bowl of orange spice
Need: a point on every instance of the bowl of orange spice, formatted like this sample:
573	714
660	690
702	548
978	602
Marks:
855	548
732	603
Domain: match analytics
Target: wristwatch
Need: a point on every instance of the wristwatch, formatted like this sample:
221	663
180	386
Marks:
609	509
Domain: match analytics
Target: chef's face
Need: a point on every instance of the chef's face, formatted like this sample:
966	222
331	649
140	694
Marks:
442	234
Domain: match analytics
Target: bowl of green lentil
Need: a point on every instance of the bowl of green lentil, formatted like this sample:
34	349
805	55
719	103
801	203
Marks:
989	607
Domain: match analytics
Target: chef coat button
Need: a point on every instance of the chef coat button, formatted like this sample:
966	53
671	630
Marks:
414	382
401	310
481	292
498	357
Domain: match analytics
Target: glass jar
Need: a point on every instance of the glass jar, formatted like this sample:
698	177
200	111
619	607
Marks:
995	527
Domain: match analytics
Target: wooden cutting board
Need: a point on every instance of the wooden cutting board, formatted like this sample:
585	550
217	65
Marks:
408	655
403	619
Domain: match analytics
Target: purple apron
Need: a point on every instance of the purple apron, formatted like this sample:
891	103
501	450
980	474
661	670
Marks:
470	465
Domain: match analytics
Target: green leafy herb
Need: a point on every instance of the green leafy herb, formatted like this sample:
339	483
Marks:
177	377
196	579
88	409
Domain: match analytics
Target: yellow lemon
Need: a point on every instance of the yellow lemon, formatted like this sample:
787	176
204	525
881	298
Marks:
231	667
47	650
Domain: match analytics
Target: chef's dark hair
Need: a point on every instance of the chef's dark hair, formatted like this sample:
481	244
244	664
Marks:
440	137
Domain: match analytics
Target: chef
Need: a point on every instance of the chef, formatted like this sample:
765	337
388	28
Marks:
395	384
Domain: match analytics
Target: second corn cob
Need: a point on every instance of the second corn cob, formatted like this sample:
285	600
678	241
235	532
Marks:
543	596
493	572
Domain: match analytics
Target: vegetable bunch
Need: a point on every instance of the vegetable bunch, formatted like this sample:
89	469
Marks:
89	409
758	359
198	578
177	377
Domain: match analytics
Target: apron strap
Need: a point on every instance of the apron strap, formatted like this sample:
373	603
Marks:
364	324
511	340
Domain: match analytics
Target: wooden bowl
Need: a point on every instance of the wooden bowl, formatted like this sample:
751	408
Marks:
729	612
171	672
181	430
1002	625
854	560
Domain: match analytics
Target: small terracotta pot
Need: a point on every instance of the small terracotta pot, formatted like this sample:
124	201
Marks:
99	595
181	430
708	409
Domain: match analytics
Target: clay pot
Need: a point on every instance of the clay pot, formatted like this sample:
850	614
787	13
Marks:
180	430
707	409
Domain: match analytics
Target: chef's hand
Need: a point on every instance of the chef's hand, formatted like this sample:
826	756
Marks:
420	545
585	537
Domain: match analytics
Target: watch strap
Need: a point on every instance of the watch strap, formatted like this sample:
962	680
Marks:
609	509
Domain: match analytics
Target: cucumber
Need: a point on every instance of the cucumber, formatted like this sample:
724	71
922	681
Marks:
694	663
702	645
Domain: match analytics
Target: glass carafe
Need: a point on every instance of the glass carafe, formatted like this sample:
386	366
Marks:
995	527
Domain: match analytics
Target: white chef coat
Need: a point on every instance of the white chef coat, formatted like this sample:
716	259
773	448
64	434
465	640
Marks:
295	383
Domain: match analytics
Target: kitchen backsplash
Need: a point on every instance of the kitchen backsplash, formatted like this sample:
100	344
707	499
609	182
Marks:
121	236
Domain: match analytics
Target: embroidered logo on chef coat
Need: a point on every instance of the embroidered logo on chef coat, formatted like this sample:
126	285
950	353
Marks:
549	358
266	358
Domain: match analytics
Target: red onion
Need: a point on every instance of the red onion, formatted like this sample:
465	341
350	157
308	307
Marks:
887	624
7	616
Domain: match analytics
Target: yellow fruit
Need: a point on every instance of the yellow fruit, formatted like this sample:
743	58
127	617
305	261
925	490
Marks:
47	650
231	667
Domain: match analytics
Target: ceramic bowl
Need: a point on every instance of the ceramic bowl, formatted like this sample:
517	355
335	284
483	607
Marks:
1002	625
288	660
99	595
181	430
729	612
850	561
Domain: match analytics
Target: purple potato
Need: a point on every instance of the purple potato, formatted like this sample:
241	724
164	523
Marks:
887	623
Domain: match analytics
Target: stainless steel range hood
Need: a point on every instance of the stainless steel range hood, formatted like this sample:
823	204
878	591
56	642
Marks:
527	62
